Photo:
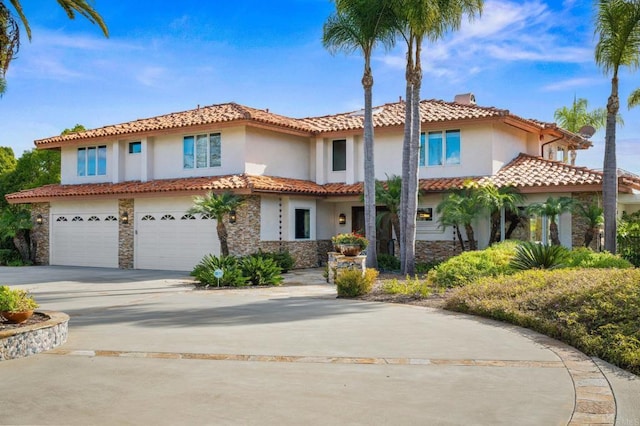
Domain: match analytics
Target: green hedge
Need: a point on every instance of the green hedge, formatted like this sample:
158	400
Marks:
596	311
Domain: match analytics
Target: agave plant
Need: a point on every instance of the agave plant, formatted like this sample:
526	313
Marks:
539	256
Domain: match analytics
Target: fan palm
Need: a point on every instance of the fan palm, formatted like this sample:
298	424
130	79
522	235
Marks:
496	200
552	208
361	25
460	208
217	206
618	28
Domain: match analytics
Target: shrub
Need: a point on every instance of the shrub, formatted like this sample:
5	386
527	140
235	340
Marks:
539	256
16	300
596	311
9	256
352	283
387	262
586	258
282	258
424	267
469	266
260	270
413	287
204	271
350	238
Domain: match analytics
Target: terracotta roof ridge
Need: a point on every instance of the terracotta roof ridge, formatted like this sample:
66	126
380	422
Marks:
501	111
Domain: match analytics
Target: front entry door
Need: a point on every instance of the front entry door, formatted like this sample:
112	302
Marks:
383	230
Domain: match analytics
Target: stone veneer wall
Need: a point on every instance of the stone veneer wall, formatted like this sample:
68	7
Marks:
36	338
125	234
40	233
305	253
579	224
244	235
428	251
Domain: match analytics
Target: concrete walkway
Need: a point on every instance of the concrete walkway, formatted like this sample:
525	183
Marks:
144	347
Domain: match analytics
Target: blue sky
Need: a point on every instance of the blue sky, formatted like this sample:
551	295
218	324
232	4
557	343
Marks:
529	57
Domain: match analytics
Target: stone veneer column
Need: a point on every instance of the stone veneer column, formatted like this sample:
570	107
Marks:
244	235
125	234
40	233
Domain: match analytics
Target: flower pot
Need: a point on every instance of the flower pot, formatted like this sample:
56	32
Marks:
17	317
349	249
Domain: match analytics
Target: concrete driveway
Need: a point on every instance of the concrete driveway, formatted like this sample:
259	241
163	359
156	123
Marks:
145	347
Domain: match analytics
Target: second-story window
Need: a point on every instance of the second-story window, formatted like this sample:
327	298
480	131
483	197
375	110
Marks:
339	154
440	148
201	151
92	161
135	147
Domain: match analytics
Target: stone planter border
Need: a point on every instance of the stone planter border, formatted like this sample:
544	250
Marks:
32	339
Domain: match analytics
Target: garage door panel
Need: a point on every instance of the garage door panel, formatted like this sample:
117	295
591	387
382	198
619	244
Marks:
84	240
173	240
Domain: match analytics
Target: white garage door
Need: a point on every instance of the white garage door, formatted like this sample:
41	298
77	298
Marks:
173	240
84	239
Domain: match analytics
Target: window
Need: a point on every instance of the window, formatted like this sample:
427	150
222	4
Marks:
303	224
440	148
339	155
92	161
425	215
135	147
202	151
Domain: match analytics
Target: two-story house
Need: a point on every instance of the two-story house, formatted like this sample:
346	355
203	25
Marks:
126	188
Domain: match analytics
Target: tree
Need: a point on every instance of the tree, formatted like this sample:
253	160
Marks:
217	206
618	29
33	169
388	194
496	201
420	19
592	213
361	25
10	31
577	116
75	129
7	160
459	209
552	208
15	224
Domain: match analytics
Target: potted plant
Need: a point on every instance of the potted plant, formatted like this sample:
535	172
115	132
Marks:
350	244
16	305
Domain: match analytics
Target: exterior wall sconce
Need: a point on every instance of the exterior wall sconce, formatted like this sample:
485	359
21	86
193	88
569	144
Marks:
39	219
342	219
124	218
232	216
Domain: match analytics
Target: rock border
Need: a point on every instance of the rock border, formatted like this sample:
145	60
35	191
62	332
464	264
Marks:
32	339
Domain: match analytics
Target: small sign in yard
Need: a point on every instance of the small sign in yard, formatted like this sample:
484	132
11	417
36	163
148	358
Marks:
218	273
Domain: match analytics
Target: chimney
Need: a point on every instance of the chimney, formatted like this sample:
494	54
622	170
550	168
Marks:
465	99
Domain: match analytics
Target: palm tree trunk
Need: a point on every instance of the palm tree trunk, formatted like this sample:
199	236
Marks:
222	236
369	170
495	227
588	236
460	239
610	169
406	148
395	222
553	233
471	237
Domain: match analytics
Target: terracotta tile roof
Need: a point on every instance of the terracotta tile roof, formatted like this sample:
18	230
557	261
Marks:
392	114
526	171
388	115
196	184
213	114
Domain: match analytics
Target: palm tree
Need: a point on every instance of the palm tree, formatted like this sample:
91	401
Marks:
361	25
420	19
592	213
10	34
618	28
552	208
217	206
460	208
577	116
388	194
497	200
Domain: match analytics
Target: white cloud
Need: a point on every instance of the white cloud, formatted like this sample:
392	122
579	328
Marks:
151	76
570	83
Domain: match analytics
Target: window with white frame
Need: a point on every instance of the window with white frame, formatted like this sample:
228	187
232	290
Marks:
135	147
440	148
92	161
202	151
302	224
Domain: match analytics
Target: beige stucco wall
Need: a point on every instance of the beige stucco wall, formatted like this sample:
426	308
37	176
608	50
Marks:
276	154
